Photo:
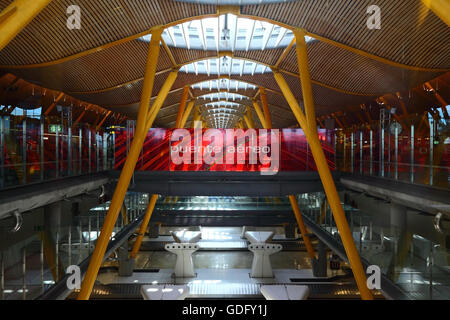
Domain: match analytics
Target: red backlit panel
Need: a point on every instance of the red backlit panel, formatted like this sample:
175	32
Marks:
223	150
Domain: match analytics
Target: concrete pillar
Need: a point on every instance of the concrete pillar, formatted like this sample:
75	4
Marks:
126	265
261	265
320	264
398	216
52	218
153	230
289	230
184	266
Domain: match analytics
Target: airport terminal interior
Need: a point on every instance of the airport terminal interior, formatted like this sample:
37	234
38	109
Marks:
228	150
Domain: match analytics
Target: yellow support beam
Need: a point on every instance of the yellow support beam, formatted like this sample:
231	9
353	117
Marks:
195	117
187	113
285	53
329	187
247	122
54	103
124	213
80	117
183	101
301	225
305	78
439	98
259	113
103	120
250	116
144	224
441	8
17	16
162	95
265	105
128	168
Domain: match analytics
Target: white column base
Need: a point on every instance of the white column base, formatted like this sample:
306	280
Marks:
184	267
285	292
261	266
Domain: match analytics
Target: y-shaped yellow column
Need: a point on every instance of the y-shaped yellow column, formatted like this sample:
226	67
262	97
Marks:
128	168
329	187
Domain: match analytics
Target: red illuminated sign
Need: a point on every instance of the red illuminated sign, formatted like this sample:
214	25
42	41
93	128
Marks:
266	151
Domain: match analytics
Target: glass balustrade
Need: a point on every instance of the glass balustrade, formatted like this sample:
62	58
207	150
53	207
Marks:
32	151
420	266
37	256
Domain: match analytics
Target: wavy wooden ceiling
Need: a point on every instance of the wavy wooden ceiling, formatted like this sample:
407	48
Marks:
112	77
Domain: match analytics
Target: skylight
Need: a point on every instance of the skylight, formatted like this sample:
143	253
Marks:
223	84
222	96
224	104
221	120
225	66
222	114
227	32
235	2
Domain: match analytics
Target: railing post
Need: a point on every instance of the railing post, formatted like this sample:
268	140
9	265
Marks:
361	155
57	151
431	149
396	153
89	148
371	153
24	148
352	150
80	150
69	150
41	146
412	154
2	152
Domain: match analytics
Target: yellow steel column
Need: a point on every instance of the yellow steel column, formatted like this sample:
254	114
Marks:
128	168
196	116
152	202
162	95
301	225
54	103
124	213
80	117
247	122
265	105
259	113
144	224
103	120
183	101
305	78
439	98
16	16
330	189
303	70
250	116
187	113
441	8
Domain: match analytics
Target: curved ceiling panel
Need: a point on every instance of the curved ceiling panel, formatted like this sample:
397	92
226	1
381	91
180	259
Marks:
124	65
408	29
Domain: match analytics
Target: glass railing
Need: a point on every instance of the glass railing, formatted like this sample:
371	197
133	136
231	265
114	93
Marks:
421	267
416	151
211	203
35	257
33	151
